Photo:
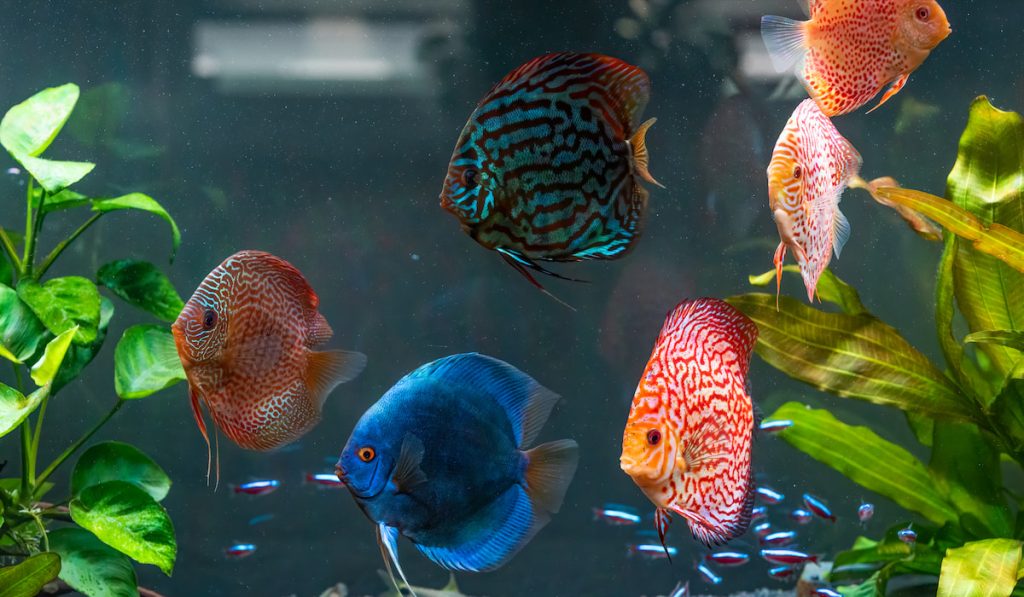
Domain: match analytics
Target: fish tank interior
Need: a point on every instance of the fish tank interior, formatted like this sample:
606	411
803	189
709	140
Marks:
321	132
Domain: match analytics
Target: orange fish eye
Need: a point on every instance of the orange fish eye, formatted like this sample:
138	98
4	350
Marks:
798	172
654	437
922	13
209	319
367	454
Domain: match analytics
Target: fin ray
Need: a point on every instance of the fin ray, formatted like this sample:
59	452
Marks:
550	470
327	369
785	40
641	158
407	469
840	232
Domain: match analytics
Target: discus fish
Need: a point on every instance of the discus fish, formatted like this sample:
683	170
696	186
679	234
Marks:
811	166
549	165
442	458
246	339
818	507
257	487
687	440
851	50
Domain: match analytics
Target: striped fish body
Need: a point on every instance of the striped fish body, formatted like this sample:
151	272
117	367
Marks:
688	436
811	166
548	165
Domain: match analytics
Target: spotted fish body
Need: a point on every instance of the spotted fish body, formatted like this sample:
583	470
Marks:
850	50
811	166
688	437
246	339
548	167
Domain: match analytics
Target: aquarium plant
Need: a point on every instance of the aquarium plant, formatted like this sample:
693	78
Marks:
89	532
969	412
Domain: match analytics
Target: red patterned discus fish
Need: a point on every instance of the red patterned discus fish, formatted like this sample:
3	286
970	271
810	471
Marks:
687	439
851	49
811	167
246	339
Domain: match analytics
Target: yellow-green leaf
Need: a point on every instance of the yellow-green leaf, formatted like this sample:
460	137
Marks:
15	407
830	289
55	175
29	577
29	128
981	569
46	368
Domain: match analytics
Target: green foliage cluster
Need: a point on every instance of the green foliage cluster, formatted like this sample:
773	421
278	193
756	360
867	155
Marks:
50	330
969	412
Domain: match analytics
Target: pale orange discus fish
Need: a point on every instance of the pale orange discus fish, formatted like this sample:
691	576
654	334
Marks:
851	49
687	439
811	166
246	339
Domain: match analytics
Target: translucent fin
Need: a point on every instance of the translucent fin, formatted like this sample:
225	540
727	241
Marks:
641	159
523	264
840	232
407	468
325	370
387	540
527	403
493	535
549	471
785	41
198	414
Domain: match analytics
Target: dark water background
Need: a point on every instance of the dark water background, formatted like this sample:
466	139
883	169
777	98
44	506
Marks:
345	186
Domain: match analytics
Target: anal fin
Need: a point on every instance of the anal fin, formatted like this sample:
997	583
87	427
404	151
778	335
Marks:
387	540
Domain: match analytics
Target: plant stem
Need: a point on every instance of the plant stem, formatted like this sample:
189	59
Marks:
55	253
39	424
26	263
9	247
27	458
37	227
78	443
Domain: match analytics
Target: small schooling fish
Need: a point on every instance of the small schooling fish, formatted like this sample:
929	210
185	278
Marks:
687	440
681	590
779	538
257	487
443	458
708	575
617	515
801	516
775	426
758	513
907	535
865	512
549	165
651	551
826	592
769	495
787	557
323	480
783	573
818	507
727	558
849	51
763	529
238	551
260	519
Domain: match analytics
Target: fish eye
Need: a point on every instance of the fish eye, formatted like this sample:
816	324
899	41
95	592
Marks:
469	178
922	13
654	437
366	454
209	319
798	172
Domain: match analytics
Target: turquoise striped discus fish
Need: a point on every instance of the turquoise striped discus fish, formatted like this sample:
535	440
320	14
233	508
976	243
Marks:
549	165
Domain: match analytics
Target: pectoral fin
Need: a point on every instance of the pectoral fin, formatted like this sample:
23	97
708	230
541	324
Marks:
407	469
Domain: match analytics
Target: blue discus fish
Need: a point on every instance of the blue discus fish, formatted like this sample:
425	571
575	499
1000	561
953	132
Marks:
442	459
549	165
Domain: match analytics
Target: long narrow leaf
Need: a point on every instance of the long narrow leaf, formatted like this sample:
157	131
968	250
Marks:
981	569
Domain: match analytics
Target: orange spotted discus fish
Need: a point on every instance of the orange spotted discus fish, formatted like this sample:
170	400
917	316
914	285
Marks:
687	439
851	49
246	339
811	166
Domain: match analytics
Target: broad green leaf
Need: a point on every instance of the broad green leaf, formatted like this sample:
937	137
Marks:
65	199
146	361
854	356
141	284
144	203
55	175
966	471
21	332
28	128
112	461
1008	338
63	303
92	567
28	578
79	356
981	569
866	459
46	368
15	407
986	181
129	520
830	289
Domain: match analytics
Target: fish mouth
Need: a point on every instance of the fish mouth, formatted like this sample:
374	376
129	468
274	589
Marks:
362	493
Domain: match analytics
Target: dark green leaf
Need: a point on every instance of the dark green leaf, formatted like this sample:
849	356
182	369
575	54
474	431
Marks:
110	461
146	361
129	520
866	459
63	303
1008	412
21	332
28	128
981	569
90	566
6	270
854	356
144	203
28	578
79	356
15	407
1008	338
65	199
141	284
55	175
830	289
967	472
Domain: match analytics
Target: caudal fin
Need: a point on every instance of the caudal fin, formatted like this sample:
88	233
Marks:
549	471
325	370
785	40
641	159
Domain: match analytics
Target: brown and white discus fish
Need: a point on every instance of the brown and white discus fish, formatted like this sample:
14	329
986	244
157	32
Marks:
851	49
246	340
811	166
688	437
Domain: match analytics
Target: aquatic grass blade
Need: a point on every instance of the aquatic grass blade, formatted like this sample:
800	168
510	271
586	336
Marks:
146	361
29	577
986	568
92	567
866	459
854	356
143	285
113	461
29	127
